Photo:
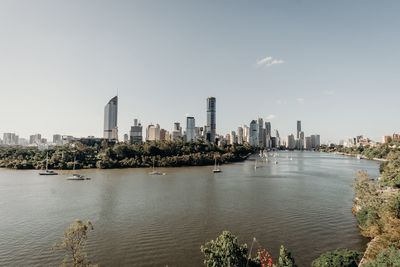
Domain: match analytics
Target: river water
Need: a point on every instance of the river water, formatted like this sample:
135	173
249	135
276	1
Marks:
142	220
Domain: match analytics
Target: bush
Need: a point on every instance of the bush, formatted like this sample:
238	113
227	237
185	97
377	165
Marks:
338	258
387	257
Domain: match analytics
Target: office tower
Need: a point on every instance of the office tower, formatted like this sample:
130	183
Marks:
211	119
190	129
126	138
177	132
268	128
301	141
308	143
246	134
233	138
57	139
277	139
240	135
291	143
35	139
163	134
261	133
298	129
153	133
136	133
317	141
111	119
253	134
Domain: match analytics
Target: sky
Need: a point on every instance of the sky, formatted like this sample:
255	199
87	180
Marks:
334	65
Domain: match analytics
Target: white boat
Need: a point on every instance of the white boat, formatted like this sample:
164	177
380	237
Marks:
75	176
155	172
47	171
216	167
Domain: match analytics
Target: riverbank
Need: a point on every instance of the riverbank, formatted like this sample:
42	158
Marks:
122	155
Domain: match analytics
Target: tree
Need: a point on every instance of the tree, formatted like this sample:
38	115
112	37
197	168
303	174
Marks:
225	251
75	237
285	258
338	258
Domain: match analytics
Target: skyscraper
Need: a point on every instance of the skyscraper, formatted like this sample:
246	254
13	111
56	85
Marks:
211	119
110	119
298	129
190	129
136	133
261	133
240	135
253	134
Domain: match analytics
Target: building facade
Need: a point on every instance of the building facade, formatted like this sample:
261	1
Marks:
211	119
110	119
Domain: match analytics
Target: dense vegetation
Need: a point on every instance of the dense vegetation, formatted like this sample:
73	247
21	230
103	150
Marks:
390	169
338	258
122	155
225	250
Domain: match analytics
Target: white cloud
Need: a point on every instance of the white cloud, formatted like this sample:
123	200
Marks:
328	92
271	117
300	100
269	61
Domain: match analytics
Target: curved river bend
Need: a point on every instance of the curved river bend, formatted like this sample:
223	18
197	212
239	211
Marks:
141	220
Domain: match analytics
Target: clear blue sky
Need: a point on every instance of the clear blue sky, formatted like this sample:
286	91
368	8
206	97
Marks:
332	64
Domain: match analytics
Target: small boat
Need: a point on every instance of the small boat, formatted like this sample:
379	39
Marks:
47	171
359	156
155	172
75	176
255	165
216	167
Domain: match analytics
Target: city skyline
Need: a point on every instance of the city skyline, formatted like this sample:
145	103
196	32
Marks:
269	60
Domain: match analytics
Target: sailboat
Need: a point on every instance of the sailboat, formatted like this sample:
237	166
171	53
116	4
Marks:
216	167
47	171
75	176
155	172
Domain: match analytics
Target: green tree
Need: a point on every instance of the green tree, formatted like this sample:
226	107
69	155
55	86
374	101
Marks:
225	251
75	237
285	258
338	258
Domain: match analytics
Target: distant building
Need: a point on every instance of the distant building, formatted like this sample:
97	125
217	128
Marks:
57	139
291	143
126	138
315	141
277	138
246	134
240	135
298	129
176	132
300	145
308	143
268	135
35	139
190	129
10	139
136	133
110	119
233	138
153	133
164	135
211	119
253	134
261	133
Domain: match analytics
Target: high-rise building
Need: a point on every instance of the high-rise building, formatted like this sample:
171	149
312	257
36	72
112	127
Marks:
190	129
315	141
261	133
246	134
136	133
35	139
233	138
211	119
153	133
291	143
111	119
308	143
301	141
298	129
253	134
240	135
277	139
177	132
57	139
268	128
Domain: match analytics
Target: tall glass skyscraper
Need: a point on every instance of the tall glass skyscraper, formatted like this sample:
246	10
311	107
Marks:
298	129
211	119
190	129
110	119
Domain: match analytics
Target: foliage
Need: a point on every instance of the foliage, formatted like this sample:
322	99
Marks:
285	258
225	251
122	155
387	257
75	237
338	258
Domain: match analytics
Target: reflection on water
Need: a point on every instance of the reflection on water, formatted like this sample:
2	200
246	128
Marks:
143	220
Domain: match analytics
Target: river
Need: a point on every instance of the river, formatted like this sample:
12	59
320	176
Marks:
142	220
